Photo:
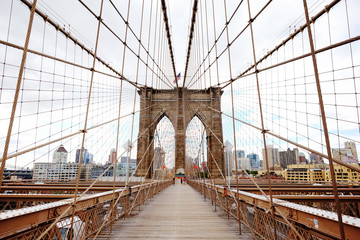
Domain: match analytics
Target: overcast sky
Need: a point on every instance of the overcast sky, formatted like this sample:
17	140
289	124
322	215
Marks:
288	92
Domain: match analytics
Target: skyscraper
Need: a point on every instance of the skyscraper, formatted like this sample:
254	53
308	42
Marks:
240	154
272	154
289	157
159	158
86	158
112	156
254	160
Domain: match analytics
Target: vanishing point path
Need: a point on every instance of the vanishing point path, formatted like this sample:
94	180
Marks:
178	212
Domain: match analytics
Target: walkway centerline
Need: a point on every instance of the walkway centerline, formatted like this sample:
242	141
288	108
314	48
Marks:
178	212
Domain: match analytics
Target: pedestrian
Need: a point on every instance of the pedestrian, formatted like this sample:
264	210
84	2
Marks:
181	180
173	181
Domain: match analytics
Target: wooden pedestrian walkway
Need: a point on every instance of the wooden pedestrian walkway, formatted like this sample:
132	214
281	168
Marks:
178	212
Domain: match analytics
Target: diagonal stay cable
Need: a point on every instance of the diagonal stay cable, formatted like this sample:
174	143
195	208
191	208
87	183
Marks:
251	178
138	39
232	41
299	30
124	42
70	203
215	42
72	38
268	132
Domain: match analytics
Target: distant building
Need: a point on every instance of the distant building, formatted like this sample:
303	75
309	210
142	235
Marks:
349	160
123	168
302	158
159	158
273	156
97	170
55	171
87	157
254	160
317	173
240	154
243	163
315	159
86	171
343	174
18	174
112	156
352	146
124	159
348	153
304	172
289	157
59	168
60	155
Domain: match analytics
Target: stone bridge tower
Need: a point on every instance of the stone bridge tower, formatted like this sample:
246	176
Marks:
180	105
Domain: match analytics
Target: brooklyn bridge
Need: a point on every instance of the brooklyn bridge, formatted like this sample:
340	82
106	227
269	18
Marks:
193	119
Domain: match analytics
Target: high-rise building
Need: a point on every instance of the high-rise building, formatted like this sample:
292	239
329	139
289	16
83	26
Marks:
112	156
159	158
87	157
243	163
273	156
240	154
289	157
254	160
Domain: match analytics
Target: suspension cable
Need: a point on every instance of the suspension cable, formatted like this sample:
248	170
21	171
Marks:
17	91
191	35
167	28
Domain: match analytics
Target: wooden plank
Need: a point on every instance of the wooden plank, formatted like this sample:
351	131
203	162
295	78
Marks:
178	212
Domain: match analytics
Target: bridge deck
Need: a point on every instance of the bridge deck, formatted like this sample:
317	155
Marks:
178	212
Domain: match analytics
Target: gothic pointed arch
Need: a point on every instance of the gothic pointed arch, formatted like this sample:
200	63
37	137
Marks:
180	105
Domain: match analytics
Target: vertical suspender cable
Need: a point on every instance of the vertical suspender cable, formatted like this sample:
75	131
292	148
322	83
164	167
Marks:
323	117
86	117
166	21
15	101
233	120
